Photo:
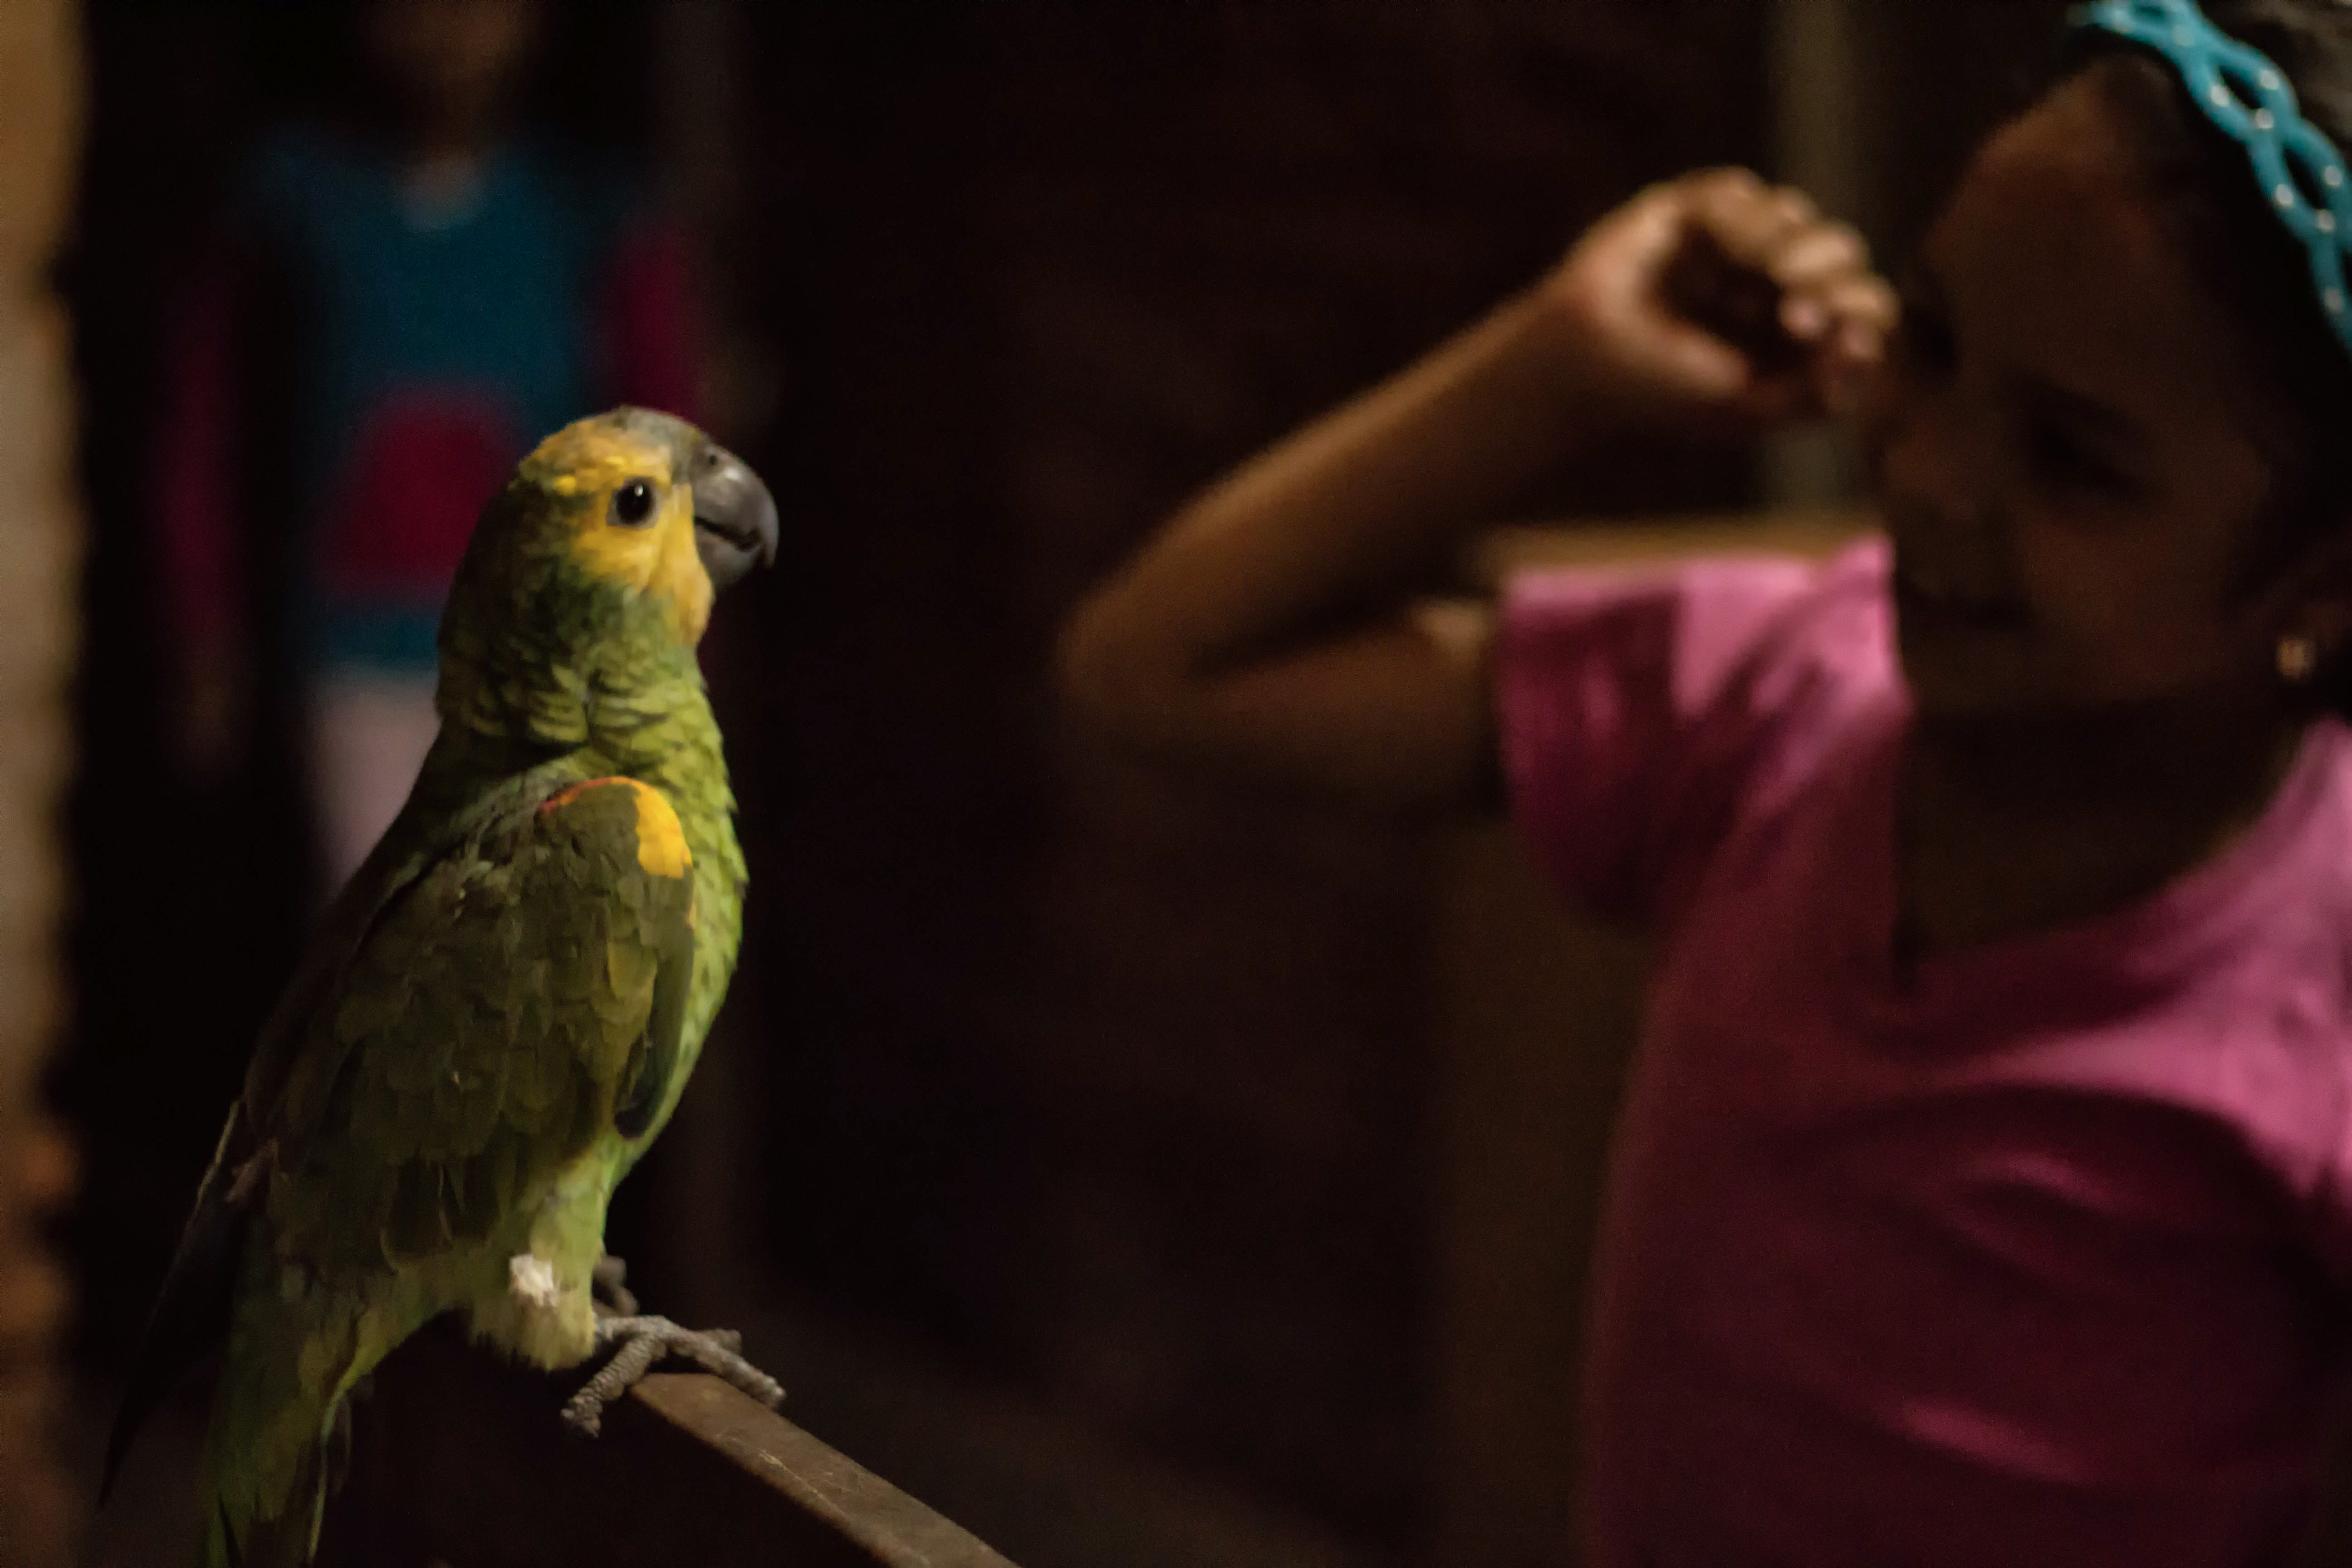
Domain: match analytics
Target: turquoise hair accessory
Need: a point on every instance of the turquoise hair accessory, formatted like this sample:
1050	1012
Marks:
2249	98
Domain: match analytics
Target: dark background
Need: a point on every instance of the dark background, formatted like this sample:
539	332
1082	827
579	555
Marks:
1082	1112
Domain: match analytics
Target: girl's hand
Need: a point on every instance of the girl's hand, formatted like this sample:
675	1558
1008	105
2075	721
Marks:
1267	629
1717	301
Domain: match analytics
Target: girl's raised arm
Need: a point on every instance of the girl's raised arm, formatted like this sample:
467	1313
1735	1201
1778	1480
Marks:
1268	628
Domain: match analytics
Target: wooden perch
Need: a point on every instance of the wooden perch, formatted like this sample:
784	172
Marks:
461	1459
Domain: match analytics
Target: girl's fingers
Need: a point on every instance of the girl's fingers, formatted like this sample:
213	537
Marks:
1845	326
1867	301
1651	225
1728	184
1769	311
1855	347
1805	317
1749	220
1779	239
1837	304
1702	362
1817	254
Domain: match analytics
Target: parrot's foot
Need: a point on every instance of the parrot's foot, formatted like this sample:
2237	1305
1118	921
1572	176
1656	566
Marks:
642	1341
609	1281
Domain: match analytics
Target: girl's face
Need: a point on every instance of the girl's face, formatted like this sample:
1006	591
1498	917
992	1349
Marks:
451	60
2062	445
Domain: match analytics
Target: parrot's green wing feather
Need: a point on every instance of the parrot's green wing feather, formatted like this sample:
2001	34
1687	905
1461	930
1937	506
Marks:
513	1005
413	881
465	1066
649	1089
191	1313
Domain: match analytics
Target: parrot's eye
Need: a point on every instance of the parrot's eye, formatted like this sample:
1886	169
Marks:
633	503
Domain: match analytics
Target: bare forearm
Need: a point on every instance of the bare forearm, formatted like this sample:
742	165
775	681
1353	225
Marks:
1266	629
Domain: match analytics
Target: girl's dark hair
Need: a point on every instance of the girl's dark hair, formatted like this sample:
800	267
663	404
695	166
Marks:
2207	193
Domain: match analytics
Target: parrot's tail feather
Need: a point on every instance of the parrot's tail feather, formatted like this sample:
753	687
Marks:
281	1423
284	1540
191	1316
336	1464
220	1542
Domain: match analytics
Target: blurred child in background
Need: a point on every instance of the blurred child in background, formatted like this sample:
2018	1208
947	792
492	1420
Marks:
1983	1190
409	296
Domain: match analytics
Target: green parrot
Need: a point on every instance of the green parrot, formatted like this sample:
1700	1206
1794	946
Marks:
496	1015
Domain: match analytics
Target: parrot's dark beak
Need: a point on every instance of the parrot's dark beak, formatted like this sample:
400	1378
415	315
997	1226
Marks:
734	517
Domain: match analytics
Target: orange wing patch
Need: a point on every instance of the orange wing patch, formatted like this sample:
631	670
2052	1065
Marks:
661	838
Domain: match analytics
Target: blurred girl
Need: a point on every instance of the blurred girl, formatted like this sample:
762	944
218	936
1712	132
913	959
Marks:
1983	1194
410	300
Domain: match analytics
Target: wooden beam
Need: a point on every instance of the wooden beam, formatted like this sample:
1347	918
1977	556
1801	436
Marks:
1811	532
461	1458
40	535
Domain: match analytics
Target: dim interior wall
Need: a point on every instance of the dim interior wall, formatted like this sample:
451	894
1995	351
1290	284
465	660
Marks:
1117	1085
1928	82
40	127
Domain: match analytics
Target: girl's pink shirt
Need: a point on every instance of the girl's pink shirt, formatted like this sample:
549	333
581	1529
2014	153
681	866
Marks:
2033	1255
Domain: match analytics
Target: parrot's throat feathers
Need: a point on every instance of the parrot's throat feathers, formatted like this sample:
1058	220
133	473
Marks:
633	701
650	721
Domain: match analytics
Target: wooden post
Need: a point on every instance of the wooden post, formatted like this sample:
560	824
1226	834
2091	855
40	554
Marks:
1818	137
1537	1017
40	110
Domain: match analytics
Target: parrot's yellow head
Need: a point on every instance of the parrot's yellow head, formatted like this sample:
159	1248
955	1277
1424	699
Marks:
646	503
590	577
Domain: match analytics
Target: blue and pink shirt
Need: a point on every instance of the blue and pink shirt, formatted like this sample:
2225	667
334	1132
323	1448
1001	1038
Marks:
2035	1254
436	340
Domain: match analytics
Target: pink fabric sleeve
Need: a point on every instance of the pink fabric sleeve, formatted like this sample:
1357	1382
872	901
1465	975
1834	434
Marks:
1634	706
196	470
649	322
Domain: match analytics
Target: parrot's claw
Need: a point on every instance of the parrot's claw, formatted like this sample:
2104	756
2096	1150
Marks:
644	1340
609	1284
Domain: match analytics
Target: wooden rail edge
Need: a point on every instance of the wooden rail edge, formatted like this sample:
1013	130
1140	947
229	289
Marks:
1813	532
459	1457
